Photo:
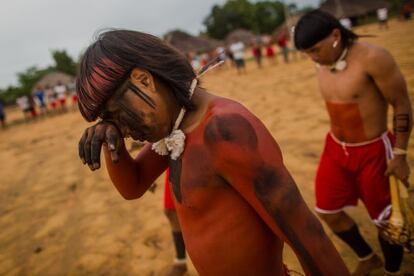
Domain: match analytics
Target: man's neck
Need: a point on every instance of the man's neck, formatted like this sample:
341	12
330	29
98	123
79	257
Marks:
338	53
201	99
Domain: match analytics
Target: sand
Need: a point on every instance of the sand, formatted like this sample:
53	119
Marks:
58	218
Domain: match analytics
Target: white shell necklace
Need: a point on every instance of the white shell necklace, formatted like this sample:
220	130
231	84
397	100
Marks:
340	64
174	143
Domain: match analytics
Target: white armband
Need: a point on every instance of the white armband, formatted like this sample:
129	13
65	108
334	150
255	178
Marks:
398	151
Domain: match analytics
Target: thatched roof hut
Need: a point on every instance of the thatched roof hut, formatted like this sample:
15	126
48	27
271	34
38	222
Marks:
352	8
53	78
242	35
287	26
187	43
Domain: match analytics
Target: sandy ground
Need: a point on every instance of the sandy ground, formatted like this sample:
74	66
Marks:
58	218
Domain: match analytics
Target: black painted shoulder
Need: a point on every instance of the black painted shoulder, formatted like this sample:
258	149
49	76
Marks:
232	127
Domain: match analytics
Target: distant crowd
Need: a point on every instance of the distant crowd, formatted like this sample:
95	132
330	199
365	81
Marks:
272	46
45	100
236	52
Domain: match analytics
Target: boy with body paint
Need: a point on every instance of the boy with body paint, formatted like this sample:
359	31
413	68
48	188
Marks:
236	202
358	82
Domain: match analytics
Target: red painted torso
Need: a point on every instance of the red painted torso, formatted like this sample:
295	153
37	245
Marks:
223	234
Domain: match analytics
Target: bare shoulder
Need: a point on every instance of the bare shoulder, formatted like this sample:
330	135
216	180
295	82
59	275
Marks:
373	57
226	108
230	121
222	106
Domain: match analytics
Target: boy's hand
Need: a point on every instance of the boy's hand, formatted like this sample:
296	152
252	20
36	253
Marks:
92	140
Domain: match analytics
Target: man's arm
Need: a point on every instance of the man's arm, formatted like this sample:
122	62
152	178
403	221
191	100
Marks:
131	177
249	159
389	80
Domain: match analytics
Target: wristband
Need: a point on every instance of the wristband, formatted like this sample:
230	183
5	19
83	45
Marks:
398	151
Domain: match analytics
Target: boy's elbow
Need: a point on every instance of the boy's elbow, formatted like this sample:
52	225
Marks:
129	196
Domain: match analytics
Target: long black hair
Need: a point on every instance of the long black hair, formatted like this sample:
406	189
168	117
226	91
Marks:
107	63
316	25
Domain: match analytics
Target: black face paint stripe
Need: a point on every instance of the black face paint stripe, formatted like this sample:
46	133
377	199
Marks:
175	178
141	94
130	113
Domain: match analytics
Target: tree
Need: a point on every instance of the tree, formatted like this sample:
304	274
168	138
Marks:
259	17
268	15
234	14
29	78
64	63
293	8
9	95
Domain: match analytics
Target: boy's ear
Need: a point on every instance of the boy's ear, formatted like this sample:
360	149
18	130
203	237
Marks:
142	79
336	33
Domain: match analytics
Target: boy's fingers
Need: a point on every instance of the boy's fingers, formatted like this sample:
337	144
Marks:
112	138
96	146
81	146
114	157
87	147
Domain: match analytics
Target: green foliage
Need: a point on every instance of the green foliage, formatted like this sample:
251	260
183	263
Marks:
395	6
305	9
268	15
27	79
233	15
10	95
259	17
63	62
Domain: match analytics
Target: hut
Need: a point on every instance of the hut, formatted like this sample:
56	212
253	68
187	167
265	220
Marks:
242	35
286	27
53	78
187	43
352	8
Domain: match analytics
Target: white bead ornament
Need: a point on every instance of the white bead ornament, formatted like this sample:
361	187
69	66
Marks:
174	143
340	64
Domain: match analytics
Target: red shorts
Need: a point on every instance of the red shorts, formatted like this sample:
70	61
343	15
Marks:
168	200
62	101
33	112
348	172
270	52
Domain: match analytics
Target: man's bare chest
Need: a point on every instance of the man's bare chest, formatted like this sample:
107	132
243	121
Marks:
193	177
351	85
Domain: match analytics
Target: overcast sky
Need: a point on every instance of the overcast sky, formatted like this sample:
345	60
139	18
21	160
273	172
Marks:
30	29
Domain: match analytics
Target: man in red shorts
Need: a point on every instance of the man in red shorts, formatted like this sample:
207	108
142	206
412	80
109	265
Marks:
235	199
358	81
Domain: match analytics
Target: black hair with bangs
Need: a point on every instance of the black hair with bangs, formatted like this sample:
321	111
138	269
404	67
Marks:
107	63
315	26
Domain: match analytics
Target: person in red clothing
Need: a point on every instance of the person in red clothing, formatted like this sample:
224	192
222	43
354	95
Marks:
282	42
270	53
236	201
179	267
406	10
257	52
358	82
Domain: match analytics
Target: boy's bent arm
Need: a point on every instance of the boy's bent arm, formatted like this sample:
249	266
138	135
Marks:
382	68
132	177
250	160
